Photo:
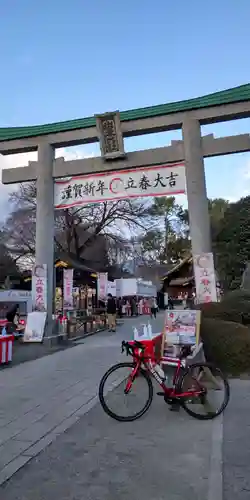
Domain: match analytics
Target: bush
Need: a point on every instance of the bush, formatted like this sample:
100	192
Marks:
235	306
217	310
227	344
239	297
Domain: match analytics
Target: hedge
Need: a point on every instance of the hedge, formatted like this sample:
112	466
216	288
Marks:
227	344
235	306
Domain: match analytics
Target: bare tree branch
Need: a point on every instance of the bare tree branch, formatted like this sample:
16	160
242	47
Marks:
76	229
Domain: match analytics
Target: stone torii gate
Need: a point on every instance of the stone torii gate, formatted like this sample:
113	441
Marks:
188	115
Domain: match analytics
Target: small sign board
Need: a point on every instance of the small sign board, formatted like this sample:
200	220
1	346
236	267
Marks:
182	327
34	330
110	135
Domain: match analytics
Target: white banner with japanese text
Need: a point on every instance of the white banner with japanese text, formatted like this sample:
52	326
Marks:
205	279
159	180
102	286
39	288
68	288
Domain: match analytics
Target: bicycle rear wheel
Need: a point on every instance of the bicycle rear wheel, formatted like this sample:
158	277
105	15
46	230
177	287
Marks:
216	394
115	401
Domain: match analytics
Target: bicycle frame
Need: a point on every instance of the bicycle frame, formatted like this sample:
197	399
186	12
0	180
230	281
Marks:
149	362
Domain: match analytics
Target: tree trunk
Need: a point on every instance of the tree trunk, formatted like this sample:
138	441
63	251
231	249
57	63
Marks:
166	236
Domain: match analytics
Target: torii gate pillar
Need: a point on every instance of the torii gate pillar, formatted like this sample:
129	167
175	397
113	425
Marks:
199	220
45	222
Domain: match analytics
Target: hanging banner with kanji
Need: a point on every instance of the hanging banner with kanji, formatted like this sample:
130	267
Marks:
102	286
35	326
159	180
39	288
205	280
68	288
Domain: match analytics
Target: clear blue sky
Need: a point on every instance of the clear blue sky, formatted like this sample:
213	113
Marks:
66	59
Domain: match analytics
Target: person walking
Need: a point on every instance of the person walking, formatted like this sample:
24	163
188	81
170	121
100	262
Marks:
166	300
184	301
111	313
170	303
119	307
128	308
124	309
153	307
133	306
12	317
140	307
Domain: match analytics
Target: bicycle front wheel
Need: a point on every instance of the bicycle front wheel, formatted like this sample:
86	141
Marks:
123	398
215	389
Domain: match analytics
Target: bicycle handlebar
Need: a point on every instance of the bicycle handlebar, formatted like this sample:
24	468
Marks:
130	348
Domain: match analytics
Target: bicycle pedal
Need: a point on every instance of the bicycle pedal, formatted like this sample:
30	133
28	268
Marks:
160	393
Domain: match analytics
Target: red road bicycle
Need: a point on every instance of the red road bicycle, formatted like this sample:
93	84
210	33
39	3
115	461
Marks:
189	389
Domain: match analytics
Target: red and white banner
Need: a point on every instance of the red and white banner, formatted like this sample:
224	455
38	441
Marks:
39	288
205	280
68	288
102	286
159	180
6	344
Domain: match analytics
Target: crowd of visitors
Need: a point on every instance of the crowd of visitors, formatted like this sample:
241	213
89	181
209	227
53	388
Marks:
135	306
129	307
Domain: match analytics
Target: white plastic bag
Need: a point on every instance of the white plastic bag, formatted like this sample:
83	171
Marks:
144	333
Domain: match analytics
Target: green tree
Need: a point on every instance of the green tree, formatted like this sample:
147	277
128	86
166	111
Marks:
231	242
152	245
167	240
217	208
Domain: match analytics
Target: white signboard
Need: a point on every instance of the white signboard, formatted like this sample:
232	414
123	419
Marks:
127	287
15	294
111	288
205	280
160	180
34	329
68	288
39	287
146	289
18	296
102	286
118	284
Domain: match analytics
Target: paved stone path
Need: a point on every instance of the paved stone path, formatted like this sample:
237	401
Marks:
42	398
162	456
236	445
50	424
